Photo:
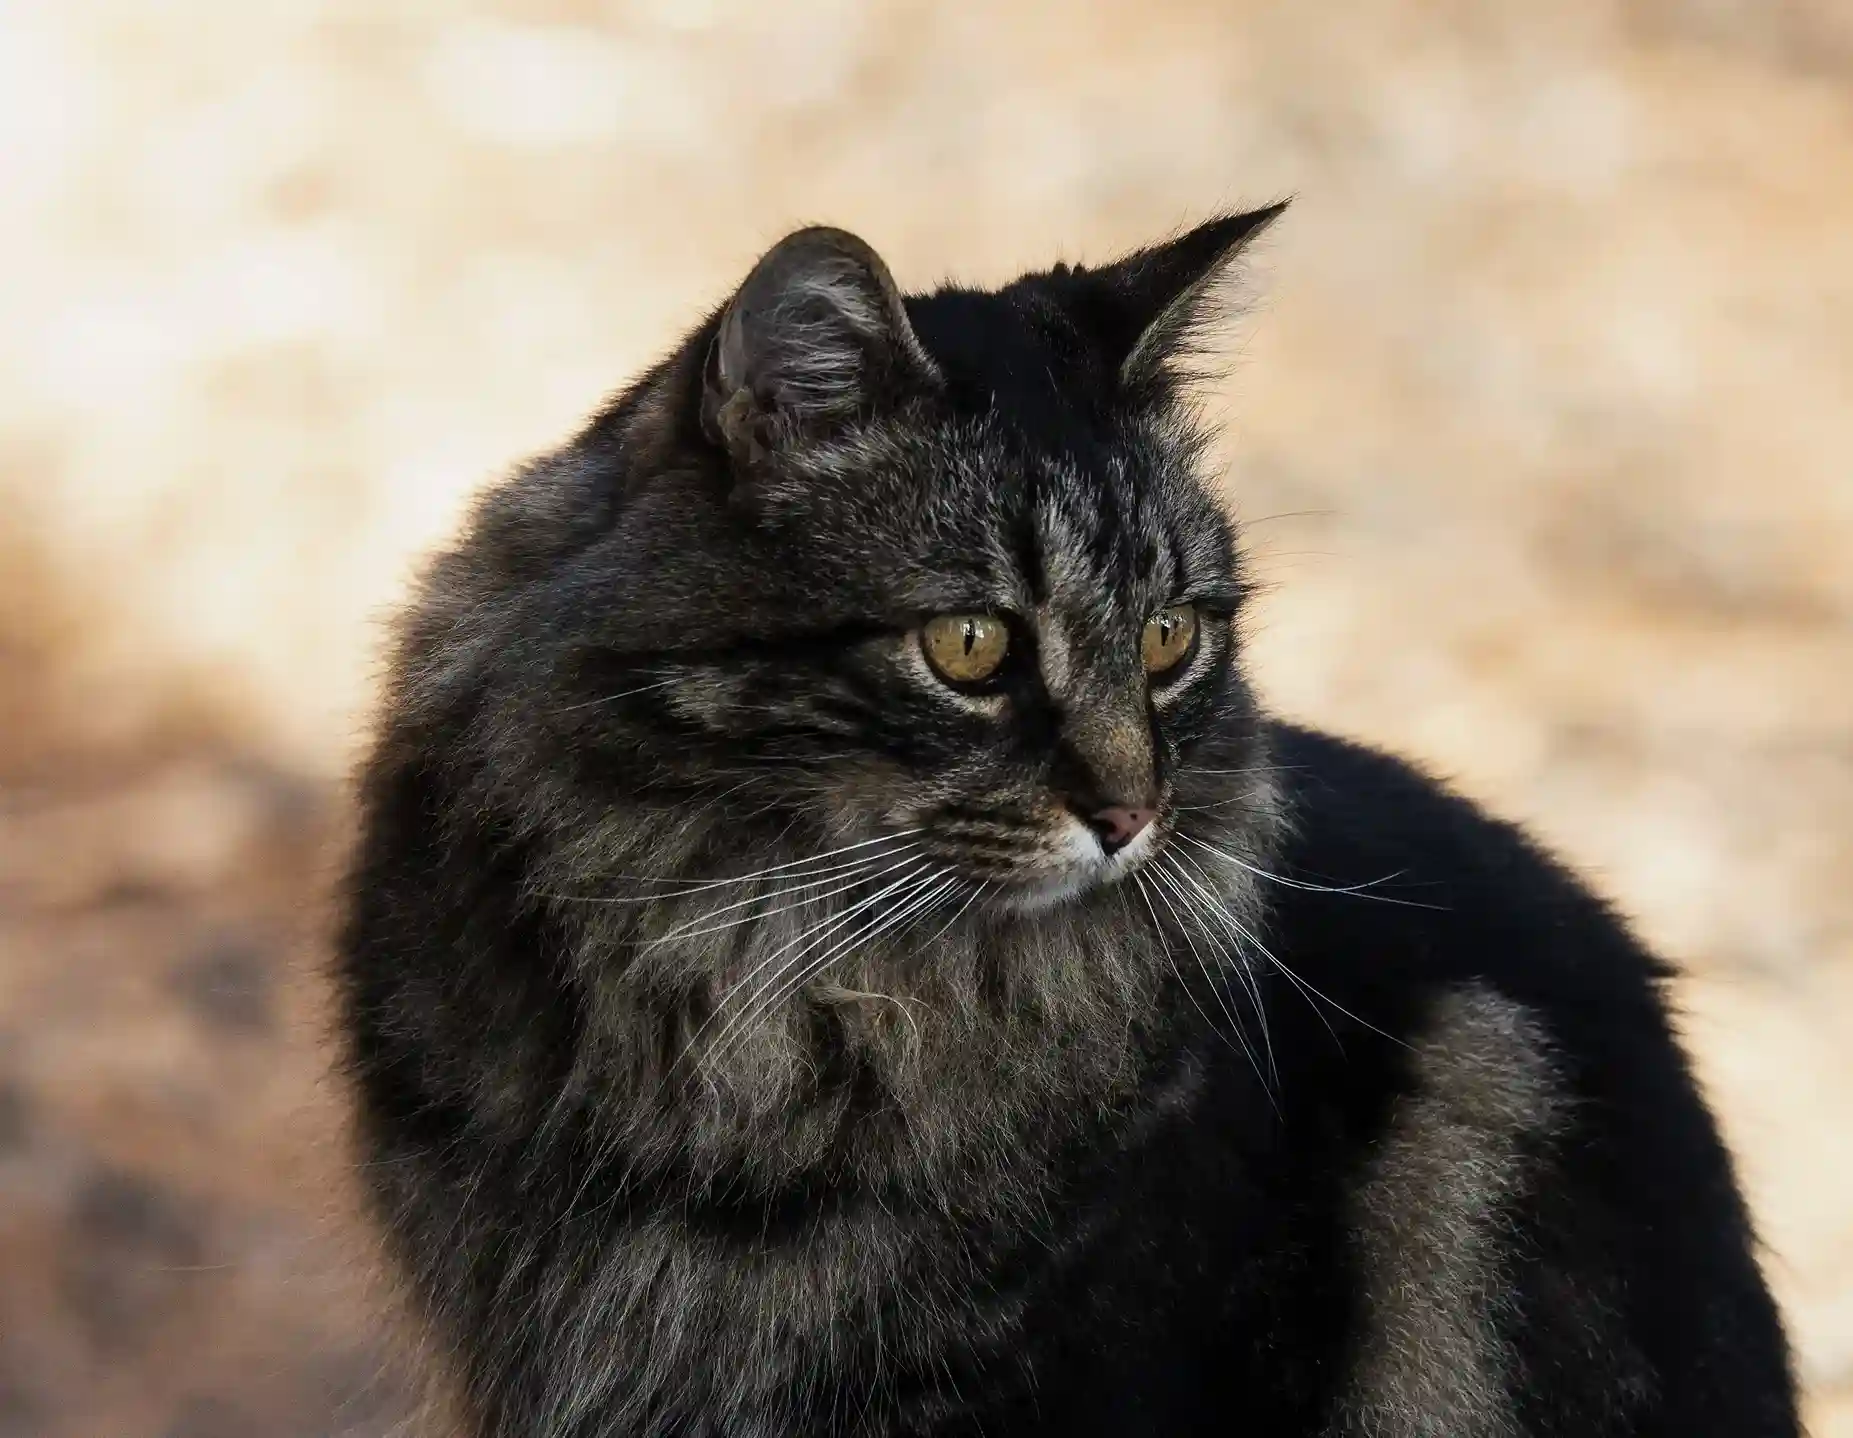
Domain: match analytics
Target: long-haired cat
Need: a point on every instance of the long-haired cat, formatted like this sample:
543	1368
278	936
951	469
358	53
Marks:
835	946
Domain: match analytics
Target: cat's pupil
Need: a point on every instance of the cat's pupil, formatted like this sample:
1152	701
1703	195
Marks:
965	648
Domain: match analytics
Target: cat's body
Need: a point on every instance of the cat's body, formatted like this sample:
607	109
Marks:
770	1020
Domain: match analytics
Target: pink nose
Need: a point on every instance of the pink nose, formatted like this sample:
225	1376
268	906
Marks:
1116	826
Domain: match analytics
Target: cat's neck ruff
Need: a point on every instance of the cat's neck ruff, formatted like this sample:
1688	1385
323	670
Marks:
864	1015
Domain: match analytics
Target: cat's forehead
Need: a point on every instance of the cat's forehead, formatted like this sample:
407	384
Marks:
1011	488
977	513
1100	533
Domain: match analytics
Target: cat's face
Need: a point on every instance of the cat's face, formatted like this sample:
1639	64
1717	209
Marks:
948	571
1051	636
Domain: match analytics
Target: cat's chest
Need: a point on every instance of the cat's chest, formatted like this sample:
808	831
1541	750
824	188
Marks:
870	1306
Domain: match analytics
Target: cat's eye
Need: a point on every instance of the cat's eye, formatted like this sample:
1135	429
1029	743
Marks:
965	648
1168	637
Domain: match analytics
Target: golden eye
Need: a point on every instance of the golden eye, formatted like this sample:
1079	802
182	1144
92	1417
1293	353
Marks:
965	648
1168	636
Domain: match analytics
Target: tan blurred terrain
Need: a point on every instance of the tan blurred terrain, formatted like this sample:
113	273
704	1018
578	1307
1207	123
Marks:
1544	421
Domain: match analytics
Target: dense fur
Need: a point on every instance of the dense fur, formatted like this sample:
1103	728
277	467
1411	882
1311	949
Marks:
752	1035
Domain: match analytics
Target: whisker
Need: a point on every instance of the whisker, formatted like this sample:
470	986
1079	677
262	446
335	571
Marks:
949	894
957	913
614	698
1251	769
1272	1082
1216	908
910	907
1287	514
790	864
1333	1003
802	943
1139	878
702	886
1240	933
1244	801
1352	890
841	884
783	990
744	995
931	904
1241	929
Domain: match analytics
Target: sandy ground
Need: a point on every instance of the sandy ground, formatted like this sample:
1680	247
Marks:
1542	418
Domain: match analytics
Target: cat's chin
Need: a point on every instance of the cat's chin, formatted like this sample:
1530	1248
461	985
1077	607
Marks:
1088	869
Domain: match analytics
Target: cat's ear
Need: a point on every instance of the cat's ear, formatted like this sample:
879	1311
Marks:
815	338
1166	297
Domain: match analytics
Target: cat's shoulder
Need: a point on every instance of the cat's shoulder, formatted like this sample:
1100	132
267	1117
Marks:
1505	1048
1397	888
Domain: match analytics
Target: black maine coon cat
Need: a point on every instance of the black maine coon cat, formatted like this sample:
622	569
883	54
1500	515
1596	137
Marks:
836	948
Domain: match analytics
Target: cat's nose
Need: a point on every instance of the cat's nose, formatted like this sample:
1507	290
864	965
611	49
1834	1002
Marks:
1116	826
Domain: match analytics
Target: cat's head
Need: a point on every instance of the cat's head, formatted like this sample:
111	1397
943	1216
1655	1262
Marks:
942	565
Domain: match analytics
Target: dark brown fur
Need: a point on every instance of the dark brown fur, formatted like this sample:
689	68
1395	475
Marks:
755	1036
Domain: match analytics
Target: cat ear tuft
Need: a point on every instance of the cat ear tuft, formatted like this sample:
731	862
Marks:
1169	294
816	337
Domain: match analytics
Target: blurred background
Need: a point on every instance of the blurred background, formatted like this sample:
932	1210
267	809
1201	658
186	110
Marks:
1542	421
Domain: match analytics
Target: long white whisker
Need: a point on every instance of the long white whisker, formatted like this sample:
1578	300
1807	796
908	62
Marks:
1209	1023
779	990
745	995
1239	934
613	698
802	943
1354	890
1251	769
1272	1079
1243	801
1211	905
859	873
1240	929
956	913
946	893
702	886
909	906
791	864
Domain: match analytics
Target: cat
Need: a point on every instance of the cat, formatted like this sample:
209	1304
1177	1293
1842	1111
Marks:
836	946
